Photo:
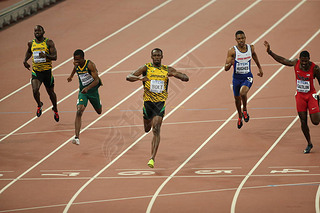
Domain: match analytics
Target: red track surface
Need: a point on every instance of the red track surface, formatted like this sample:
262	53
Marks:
204	163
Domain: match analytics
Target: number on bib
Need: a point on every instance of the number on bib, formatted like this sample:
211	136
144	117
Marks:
86	79
156	86
303	86
37	58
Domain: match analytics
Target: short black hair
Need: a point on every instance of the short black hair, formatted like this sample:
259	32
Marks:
157	49
304	54
40	27
79	52
239	32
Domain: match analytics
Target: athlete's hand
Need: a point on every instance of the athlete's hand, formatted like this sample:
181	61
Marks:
267	45
26	65
42	55
84	90
69	79
260	73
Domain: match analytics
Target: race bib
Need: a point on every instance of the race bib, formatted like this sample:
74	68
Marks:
303	86
243	68
86	79
36	57
156	86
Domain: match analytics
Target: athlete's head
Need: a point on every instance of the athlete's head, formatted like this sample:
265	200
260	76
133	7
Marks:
304	59
78	58
240	38
156	56
38	32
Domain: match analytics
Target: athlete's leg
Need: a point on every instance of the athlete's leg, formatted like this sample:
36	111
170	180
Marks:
35	83
147	124
304	126
243	94
315	118
237	100
77	123
53	97
156	125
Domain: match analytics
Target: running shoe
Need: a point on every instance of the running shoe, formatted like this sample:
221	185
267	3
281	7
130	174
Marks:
239	123
55	116
76	141
246	116
39	109
308	149
151	163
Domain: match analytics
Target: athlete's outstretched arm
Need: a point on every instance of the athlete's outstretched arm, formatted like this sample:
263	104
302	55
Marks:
69	79
230	59
135	76
173	72
279	58
255	58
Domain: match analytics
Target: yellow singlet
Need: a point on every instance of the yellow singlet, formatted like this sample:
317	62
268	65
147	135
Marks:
156	90
40	64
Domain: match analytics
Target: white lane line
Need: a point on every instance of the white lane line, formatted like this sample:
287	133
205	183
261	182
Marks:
226	122
161	195
115	106
236	195
97	43
110	68
317	201
141	125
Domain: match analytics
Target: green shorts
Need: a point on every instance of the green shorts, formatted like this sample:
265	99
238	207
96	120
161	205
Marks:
151	109
92	96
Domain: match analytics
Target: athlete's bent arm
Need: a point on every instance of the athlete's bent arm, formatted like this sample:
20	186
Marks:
52	56
94	74
230	59
72	74
135	76
27	56
278	58
255	58
173	72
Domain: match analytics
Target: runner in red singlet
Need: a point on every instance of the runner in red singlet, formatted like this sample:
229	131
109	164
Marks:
306	95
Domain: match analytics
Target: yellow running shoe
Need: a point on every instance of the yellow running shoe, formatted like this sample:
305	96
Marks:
151	163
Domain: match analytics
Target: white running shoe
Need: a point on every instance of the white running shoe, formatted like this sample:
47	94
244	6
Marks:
76	141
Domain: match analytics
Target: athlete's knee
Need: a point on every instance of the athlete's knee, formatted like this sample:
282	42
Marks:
80	111
99	111
156	129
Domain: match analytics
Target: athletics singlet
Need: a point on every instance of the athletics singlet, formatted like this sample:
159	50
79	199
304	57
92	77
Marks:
40	64
85	77
156	90
242	63
304	79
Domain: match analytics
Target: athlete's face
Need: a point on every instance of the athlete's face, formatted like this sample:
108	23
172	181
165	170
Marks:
241	40
156	57
78	60
305	63
38	32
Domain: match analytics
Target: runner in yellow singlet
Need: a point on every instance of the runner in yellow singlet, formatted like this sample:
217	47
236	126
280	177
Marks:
155	82
43	52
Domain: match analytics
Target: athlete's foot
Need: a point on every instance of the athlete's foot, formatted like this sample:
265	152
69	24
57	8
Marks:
55	115
239	123
39	109
151	163
76	141
308	149
246	116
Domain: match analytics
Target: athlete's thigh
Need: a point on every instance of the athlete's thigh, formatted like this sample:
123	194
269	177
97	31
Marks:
301	102
82	99
94	99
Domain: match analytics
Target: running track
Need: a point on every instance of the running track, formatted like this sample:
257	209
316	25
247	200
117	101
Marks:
204	163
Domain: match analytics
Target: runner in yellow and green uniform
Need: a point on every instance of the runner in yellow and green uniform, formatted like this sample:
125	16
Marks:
155	82
43	52
89	82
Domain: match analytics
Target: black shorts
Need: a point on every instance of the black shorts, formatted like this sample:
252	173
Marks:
44	77
151	109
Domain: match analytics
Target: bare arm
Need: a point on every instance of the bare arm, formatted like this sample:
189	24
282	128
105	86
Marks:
316	73
27	56
135	76
255	58
173	72
278	58
94	74
52	56
69	79
230	59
